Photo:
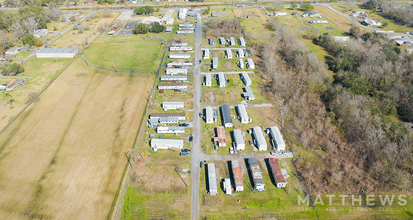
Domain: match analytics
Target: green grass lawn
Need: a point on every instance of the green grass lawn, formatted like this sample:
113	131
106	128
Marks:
137	55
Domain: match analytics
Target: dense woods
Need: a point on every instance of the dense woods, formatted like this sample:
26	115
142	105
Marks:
345	127
400	13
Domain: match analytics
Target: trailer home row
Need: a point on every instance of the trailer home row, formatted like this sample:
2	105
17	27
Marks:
175	71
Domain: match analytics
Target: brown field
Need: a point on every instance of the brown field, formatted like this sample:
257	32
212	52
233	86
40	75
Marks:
64	157
339	20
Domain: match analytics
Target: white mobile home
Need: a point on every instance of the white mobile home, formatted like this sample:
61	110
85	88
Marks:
180	48
248	93
318	22
231	41
206	54
212	179
172	105
174	78
170	130
259	139
182	13
174	71
241	42
208	80
166	144
241	63
209	115
221	80
242	114
246	78
185	31
173	86
227	186
239	142
250	64
215	63
240	53
229	54
277	138
280	13
180	56
222	40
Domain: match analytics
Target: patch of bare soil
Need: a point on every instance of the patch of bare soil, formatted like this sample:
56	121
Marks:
228	65
211	97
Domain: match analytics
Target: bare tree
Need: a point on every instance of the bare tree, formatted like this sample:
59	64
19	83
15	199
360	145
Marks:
53	11
4	39
31	24
17	31
80	29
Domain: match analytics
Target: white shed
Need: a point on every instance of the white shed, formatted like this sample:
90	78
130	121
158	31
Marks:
206	54
240	53
229	54
209	115
246	78
166	144
242	113
221	80
172	105
259	139
239	142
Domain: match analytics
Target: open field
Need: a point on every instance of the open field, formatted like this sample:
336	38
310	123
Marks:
137	55
339	21
64	157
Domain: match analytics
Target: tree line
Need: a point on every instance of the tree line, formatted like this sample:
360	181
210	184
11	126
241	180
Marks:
346	121
401	14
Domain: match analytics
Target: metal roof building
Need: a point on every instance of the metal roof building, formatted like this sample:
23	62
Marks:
231	41
250	63
275	171
277	138
220	138
241	63
259	139
182	13
185	31
237	176
256	174
240	53
227	186
174	78
170	130
56	52
175	71
172	105
166	144
241	42
242	113
222	40
226	116
248	94
229	53
181	116
186	48
180	44
212	179
246	78
169	119
180	56
209	115
180	64
239	140
215	63
206	54
221	80
208	80
178	86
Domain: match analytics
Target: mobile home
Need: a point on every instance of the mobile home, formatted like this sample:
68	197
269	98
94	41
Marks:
259	139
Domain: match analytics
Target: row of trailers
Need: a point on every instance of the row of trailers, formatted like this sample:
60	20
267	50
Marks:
231	41
235	182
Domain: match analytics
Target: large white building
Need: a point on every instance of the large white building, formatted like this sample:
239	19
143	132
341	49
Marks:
239	142
276	138
56	52
166	144
221	80
172	105
174	71
259	139
209	115
182	13
246	78
242	113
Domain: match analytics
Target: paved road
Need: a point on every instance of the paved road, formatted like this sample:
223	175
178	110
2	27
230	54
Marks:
197	154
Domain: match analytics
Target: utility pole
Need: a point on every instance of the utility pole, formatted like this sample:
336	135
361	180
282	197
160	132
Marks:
309	181
131	157
116	69
86	58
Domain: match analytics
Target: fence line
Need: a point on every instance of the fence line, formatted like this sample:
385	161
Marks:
110	69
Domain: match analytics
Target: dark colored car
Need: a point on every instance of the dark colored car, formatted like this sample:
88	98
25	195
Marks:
185	154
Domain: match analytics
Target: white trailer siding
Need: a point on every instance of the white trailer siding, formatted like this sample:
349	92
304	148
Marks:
222	40
208	80
229	54
250	64
212	179
177	86
206	54
175	71
227	186
166	144
241	63
240	53
221	80
209	115
232	41
248	94
182	13
180	49
172	105
277	138
246	78
170	130
259	139
174	78
242	113
239	141
215	63
242	42
180	56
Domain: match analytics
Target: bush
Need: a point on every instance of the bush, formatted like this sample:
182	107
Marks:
29	39
157	28
143	10
12	69
141	29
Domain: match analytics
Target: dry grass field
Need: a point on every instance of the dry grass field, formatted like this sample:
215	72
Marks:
338	20
64	157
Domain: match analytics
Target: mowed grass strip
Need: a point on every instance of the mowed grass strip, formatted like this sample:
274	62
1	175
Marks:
63	158
139	55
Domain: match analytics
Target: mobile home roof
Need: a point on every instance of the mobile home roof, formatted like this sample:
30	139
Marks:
212	179
226	114
242	111
236	171
276	136
246	78
239	140
259	136
276	171
209	113
172	103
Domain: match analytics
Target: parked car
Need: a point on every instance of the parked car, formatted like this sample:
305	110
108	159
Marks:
185	154
201	115
186	150
273	152
191	138
231	150
251	143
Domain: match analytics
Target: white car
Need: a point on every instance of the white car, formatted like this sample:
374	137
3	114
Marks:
231	150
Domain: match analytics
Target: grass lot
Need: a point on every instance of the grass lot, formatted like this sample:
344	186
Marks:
64	157
41	72
341	23
130	54
319	51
